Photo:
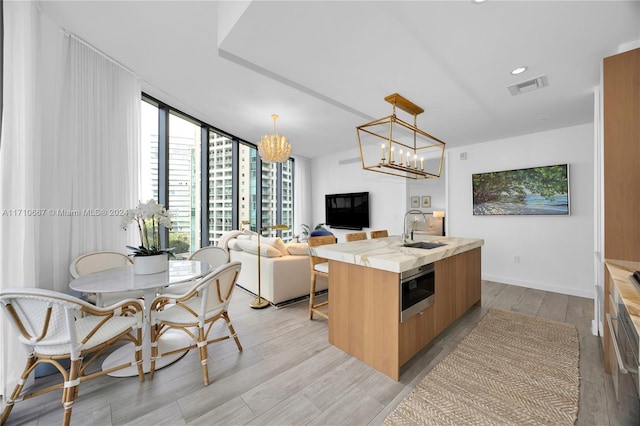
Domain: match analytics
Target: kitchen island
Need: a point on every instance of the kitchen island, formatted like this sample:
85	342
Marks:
365	296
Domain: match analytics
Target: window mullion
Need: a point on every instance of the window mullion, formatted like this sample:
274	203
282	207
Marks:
163	165
204	186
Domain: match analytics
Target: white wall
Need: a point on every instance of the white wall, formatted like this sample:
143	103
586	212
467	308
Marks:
302	208
387	194
555	253
435	188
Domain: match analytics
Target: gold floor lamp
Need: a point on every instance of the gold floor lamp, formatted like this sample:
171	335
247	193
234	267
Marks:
259	302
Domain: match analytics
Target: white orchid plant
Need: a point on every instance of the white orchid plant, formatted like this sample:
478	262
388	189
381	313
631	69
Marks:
149	217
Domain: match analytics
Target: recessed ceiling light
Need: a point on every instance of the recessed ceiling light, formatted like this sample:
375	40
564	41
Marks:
478	1
518	70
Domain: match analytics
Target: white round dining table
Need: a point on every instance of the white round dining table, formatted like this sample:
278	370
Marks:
123	279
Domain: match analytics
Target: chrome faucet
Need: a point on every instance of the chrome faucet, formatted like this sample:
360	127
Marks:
412	224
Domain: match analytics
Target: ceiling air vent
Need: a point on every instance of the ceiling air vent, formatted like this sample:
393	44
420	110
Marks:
528	86
349	160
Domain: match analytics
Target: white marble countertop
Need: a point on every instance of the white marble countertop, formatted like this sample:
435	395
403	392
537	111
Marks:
621	271
389	254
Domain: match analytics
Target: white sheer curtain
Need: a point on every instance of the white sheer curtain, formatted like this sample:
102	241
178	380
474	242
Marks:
69	150
97	154
302	213
19	189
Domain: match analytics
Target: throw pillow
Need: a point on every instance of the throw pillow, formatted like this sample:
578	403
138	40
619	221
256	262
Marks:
298	249
275	242
233	245
224	239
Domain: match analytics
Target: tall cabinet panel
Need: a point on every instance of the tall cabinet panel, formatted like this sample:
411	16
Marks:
622	156
621	106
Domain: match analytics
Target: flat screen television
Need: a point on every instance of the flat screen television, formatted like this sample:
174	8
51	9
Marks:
347	211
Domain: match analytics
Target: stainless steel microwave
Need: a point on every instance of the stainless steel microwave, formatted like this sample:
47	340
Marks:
417	290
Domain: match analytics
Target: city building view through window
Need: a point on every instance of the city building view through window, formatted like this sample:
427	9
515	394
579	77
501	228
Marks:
258	200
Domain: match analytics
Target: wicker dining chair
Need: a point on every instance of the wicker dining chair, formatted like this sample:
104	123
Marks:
199	308
356	236
100	261
379	234
54	326
213	255
319	267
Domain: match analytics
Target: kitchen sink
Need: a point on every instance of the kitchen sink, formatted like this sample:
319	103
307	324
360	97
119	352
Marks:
424	245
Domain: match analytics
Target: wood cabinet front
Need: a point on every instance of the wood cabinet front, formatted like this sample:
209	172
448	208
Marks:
364	314
458	287
364	310
415	334
621	99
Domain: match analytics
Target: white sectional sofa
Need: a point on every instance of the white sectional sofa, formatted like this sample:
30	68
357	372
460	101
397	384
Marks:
285	269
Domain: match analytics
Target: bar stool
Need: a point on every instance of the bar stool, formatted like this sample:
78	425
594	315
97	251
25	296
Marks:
319	267
379	234
356	236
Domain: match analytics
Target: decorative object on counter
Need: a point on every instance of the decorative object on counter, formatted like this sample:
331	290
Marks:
379	234
319	267
259	302
274	148
150	217
440	214
426	202
530	191
356	236
411	144
511	369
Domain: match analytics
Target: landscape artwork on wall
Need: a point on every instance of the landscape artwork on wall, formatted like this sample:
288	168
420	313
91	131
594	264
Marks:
532	191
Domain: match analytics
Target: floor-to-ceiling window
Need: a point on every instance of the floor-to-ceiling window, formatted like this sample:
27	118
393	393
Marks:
184	184
149	151
247	183
220	185
286	199
277	196
213	193
269	194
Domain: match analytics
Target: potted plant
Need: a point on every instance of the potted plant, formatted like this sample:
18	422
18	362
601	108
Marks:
318	230
149	258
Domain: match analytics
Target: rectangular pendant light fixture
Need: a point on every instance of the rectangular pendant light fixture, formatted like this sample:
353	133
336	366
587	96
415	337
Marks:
392	146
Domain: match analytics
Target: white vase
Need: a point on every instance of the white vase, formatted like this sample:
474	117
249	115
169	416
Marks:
146	265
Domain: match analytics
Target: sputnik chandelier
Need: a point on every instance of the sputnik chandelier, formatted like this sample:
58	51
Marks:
392	146
274	148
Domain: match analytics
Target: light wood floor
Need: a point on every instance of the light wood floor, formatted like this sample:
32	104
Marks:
288	373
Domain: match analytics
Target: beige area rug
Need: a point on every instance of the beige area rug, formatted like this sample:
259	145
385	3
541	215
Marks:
512	369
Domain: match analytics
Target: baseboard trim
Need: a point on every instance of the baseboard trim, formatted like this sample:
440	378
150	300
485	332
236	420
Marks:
586	293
